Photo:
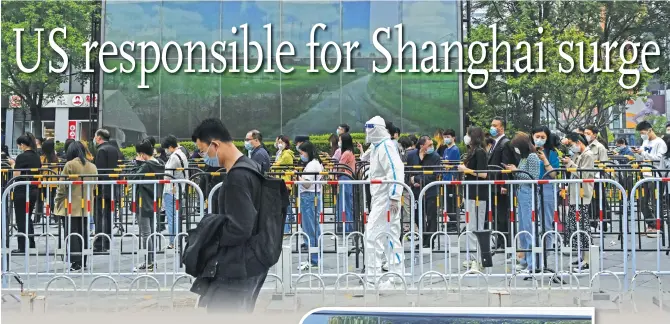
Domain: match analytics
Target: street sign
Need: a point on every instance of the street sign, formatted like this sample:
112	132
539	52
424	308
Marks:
72	129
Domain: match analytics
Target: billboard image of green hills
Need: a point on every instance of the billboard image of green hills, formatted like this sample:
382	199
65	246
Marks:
275	103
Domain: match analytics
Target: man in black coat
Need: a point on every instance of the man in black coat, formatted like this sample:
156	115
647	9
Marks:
501	154
106	157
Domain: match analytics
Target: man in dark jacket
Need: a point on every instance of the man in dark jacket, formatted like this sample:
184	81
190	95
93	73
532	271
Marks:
231	280
107	157
425	156
254	144
145	196
501	153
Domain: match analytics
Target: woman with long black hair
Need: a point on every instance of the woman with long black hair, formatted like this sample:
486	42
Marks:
26	162
49	159
70	204
476	195
310	200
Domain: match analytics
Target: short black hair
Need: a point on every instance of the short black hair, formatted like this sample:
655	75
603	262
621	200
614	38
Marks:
576	137
152	140
103	133
396	130
405	142
501	120
592	128
449	132
643	125
490	140
413	138
422	140
169	141
622	141
345	127
145	147
211	129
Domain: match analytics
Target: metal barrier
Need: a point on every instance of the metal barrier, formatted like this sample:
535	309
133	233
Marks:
536	247
660	187
413	276
33	272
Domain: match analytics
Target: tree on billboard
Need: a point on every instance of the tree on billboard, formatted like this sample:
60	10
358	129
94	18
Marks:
41	86
569	99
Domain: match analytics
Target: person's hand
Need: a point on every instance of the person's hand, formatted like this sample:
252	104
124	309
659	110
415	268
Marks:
566	160
510	167
462	168
503	191
411	180
11	162
360	147
394	206
635	149
417	185
542	157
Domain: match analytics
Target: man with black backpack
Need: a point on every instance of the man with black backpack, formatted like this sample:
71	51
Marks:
231	252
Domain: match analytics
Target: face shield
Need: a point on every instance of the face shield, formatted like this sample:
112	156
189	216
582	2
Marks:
375	130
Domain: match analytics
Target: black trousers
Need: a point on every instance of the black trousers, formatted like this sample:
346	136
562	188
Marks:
24	222
103	221
648	203
76	225
233	295
429	218
452	208
502	216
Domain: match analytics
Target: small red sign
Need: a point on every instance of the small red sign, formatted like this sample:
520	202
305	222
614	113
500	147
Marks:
72	129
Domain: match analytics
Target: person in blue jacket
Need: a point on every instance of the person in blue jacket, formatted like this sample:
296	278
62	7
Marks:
544	144
452	154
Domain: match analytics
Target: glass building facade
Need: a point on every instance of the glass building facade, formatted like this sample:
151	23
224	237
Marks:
275	103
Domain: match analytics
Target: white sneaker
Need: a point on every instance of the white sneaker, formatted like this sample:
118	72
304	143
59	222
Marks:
306	265
385	266
387	285
652	232
476	266
521	267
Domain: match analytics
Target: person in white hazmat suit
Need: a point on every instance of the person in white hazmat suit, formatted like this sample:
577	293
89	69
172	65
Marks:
385	164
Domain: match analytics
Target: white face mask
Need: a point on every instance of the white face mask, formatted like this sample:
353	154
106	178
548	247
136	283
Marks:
644	137
575	148
466	139
589	138
280	146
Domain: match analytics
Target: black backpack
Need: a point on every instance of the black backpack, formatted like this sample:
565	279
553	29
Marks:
266	242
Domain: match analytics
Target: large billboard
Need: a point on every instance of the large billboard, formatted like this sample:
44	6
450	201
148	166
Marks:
277	103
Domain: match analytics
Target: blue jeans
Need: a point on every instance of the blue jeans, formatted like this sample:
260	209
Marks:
524	211
346	196
169	205
290	217
549	203
310	220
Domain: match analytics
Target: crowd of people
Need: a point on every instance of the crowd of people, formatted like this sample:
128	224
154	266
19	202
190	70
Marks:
528	155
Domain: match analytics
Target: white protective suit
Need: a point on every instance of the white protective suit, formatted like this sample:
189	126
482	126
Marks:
385	164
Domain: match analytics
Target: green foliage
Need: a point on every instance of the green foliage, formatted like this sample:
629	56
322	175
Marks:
571	99
39	87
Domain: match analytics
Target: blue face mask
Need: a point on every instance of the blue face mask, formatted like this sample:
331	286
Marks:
248	146
304	158
430	150
211	161
540	142
493	131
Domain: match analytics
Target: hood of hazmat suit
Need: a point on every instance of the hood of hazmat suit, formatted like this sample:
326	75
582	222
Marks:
383	227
